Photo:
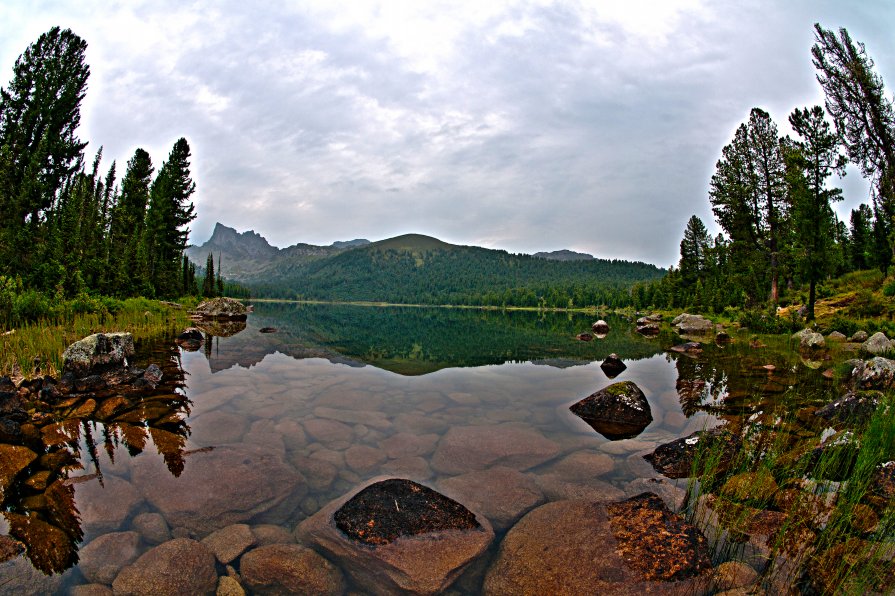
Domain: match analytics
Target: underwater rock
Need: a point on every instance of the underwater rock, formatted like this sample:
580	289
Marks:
501	494
102	558
579	547
289	569
420	541
468	448
179	566
619	411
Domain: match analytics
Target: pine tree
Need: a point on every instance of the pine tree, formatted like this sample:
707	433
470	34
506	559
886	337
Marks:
208	285
39	150
860	234
127	226
694	252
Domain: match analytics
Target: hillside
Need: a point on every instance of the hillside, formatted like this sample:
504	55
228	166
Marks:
415	269
564	255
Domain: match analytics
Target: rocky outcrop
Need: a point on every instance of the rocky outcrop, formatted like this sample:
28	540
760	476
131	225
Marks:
221	308
419	541
877	344
580	547
619	411
687	324
179	566
97	353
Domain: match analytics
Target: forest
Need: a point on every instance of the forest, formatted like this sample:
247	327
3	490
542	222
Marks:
69	231
772	198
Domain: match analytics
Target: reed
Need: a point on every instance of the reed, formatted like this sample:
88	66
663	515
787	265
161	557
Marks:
36	348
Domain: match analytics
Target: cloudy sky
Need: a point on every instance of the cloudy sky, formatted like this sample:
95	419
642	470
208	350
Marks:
525	126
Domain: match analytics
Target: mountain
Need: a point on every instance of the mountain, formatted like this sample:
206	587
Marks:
247	256
417	269
564	255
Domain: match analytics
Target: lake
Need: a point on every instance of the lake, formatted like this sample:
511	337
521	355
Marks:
265	428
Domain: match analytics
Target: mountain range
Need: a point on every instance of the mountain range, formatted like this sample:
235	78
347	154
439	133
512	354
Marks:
417	269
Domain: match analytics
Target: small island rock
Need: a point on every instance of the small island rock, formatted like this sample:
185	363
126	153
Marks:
619	411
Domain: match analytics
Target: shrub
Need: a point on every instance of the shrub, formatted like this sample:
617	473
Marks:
31	306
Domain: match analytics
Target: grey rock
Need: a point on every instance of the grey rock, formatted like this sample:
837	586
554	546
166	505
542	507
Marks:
858	337
97	353
877	344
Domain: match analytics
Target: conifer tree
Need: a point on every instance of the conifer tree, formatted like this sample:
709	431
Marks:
127	225
208	285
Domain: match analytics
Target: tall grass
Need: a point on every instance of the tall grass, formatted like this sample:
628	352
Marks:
36	348
826	530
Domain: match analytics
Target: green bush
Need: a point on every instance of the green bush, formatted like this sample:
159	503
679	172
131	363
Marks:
866	304
32	306
759	321
889	289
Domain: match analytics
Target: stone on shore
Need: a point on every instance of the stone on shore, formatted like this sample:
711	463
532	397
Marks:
687	324
877	344
97	353
809	339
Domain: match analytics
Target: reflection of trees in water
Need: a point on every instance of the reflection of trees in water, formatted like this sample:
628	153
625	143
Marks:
39	501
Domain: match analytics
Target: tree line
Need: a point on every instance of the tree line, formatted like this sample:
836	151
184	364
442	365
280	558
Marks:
67	229
772	199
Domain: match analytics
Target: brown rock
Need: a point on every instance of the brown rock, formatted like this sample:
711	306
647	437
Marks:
13	459
619	411
217	428
734	574
228	543
328	431
582	465
104	557
230	484
179	566
559	488
409	444
229	586
502	494
271	534
363	459
468	448
424	563
569	547
153	528
289	569
91	590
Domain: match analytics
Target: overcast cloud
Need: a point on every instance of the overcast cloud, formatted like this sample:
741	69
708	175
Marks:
525	126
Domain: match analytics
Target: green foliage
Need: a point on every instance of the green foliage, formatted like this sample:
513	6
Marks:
768	322
866	304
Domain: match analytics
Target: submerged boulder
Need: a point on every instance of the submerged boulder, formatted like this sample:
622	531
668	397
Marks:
97	353
179	566
636	546
221	308
394	535
619	411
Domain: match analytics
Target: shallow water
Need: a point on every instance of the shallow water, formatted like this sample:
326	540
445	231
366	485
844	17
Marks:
276	425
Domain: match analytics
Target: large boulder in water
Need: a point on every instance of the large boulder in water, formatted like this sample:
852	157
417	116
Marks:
677	458
687	324
619	411
98	353
600	327
636	546
394	535
221	308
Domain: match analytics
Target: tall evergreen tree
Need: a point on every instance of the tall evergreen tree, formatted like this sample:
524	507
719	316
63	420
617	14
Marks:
209	284
864	117
813	159
860	236
694	251
748	196
39	150
168	215
127	224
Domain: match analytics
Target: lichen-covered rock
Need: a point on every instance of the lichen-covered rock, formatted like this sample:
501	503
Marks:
858	337
877	344
877	373
97	353
221	308
855	406
415	554
179	566
836	336
619	411
809	339
687	324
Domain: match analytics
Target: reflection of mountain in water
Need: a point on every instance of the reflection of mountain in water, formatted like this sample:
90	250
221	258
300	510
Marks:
417	341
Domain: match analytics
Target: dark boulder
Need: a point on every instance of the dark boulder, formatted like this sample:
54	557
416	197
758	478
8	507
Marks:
584	337
613	366
190	339
619	411
601	327
647	326
676	459
853	407
691	347
267	330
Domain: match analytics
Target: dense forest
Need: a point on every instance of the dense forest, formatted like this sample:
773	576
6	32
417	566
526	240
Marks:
68	231
421	270
771	197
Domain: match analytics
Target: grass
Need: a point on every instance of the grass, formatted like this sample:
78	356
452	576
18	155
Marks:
822	527
36	348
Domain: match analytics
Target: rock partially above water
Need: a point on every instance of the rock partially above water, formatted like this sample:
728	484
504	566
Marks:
406	557
809	339
687	324
619	411
676	458
221	308
97	353
601	327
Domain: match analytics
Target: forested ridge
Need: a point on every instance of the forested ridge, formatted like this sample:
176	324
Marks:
431	272
772	197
